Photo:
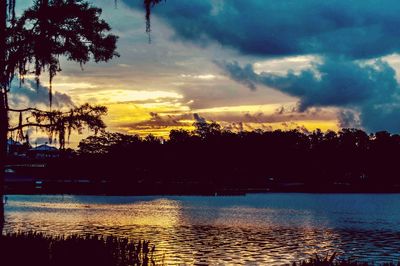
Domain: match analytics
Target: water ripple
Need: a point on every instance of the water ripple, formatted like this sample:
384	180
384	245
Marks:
252	230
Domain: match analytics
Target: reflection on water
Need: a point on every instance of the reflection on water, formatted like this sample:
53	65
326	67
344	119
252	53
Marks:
260	229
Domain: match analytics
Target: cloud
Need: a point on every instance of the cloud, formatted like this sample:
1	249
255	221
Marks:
199	119
41	140
371	89
236	127
31	95
157	121
349	119
281	114
355	29
334	39
331	83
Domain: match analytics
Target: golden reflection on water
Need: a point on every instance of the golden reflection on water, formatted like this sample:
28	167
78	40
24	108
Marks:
187	233
67	218
164	213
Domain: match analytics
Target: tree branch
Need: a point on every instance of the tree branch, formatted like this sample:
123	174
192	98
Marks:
26	110
31	109
29	125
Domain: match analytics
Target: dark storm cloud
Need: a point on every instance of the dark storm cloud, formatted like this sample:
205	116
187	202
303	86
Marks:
353	28
331	83
341	32
371	89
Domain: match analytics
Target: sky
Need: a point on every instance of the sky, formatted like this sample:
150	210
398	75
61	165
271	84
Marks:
247	65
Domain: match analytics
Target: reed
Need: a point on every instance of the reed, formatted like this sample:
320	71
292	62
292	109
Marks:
32	248
333	261
23	249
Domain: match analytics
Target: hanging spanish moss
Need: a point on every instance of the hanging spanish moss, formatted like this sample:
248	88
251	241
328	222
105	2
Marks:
59	124
54	28
11	10
43	32
50	95
148	4
34	42
20	133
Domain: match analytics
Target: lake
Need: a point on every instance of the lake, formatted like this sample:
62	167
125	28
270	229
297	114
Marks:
256	229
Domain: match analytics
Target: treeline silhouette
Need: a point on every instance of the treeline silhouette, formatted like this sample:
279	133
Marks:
210	159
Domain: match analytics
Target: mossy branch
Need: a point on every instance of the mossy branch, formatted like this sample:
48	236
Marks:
61	124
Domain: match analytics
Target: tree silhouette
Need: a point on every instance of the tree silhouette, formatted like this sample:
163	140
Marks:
212	159
32	44
106	142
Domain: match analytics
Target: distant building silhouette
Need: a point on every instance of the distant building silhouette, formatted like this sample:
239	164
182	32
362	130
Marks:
16	148
44	151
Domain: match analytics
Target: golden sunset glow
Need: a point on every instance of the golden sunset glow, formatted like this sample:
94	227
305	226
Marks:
121	96
155	87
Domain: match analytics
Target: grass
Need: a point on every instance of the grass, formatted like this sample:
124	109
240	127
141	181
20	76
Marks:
19	249
332	261
23	249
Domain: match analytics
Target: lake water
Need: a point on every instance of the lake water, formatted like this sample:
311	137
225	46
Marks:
256	229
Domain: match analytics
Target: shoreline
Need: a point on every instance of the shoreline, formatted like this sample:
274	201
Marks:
238	193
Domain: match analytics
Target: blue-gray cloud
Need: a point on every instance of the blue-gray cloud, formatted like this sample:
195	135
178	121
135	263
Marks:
338	82
29	93
351	28
370	89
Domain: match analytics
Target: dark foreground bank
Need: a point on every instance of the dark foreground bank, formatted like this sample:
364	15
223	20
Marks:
331	261
19	249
